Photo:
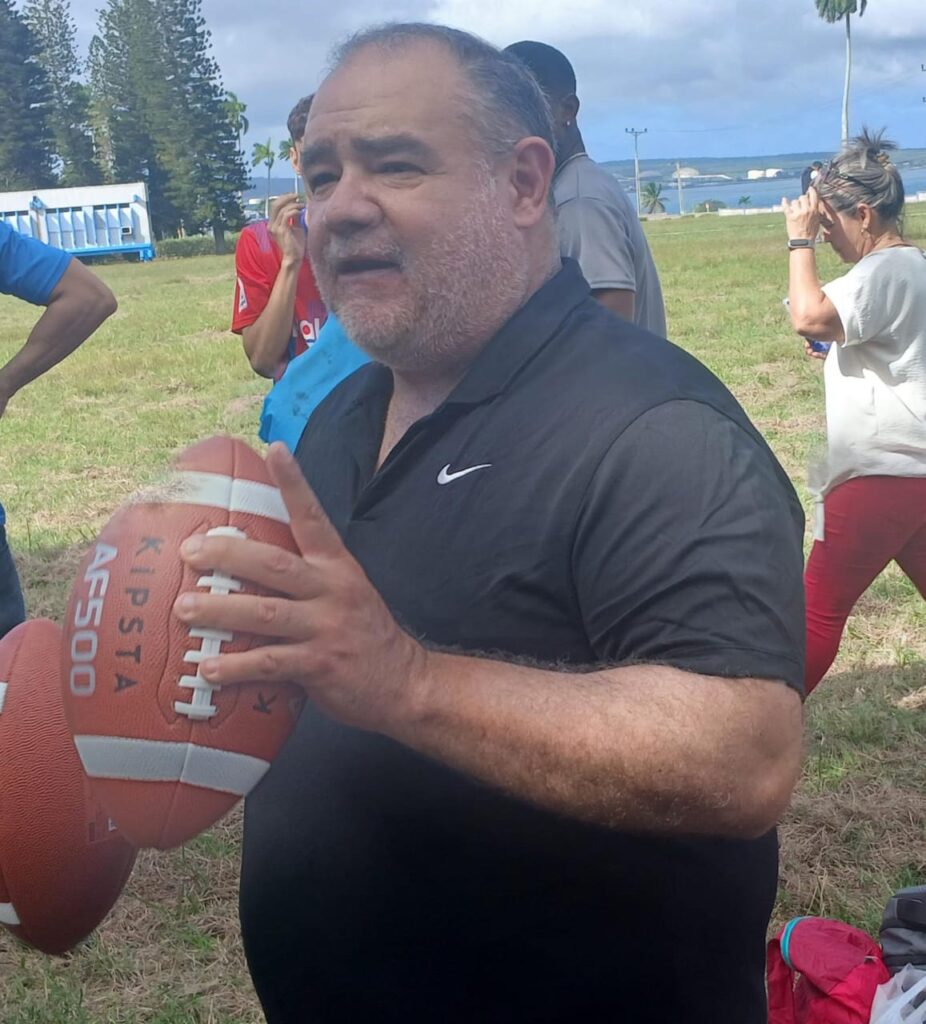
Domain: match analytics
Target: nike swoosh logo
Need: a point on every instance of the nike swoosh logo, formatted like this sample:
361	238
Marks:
445	476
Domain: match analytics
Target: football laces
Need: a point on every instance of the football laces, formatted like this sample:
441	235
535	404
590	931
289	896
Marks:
200	707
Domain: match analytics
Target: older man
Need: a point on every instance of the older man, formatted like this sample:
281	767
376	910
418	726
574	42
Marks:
548	609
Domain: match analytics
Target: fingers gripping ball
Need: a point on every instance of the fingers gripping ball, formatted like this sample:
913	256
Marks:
62	861
168	753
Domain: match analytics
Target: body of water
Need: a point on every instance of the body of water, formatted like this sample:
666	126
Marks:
763	192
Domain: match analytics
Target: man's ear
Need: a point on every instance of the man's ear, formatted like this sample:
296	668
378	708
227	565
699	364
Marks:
530	176
294	159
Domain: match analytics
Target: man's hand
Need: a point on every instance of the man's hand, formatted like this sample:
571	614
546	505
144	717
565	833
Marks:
287	227
329	631
643	748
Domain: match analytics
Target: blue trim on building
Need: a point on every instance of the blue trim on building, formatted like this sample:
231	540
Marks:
145	252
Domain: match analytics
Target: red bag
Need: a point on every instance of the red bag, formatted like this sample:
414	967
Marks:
822	972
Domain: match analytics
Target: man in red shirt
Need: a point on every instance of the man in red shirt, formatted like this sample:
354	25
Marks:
278	310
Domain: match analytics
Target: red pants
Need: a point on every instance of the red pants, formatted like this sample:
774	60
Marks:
869	521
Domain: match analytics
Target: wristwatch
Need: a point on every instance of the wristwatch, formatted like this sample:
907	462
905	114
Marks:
802	243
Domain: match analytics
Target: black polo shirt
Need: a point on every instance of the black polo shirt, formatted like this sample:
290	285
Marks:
623	509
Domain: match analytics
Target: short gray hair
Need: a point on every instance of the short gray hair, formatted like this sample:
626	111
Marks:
508	104
863	173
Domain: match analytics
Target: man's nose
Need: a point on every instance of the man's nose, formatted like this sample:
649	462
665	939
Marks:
349	207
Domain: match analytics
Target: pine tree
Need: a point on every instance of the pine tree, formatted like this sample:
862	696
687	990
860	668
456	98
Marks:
200	140
128	87
25	136
52	24
160	113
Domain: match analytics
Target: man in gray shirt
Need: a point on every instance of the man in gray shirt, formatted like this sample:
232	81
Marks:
597	225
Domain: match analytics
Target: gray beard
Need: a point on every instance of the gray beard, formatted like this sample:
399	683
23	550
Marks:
465	286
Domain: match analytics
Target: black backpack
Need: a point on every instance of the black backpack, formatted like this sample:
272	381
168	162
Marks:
903	929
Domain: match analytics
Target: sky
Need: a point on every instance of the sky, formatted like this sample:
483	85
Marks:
704	77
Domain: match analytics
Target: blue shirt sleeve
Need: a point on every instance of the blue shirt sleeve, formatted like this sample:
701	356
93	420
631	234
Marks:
307	381
29	269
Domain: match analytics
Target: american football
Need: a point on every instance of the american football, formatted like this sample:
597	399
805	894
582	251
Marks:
168	753
63	862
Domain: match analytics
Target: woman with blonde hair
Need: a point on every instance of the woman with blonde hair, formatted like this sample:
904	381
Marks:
872	502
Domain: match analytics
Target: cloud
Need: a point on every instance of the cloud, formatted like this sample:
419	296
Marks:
708	76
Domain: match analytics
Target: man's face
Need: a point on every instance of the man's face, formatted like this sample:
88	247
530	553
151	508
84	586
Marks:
411	232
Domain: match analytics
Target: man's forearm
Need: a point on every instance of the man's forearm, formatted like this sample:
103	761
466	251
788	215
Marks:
618	300
643	748
266	339
76	308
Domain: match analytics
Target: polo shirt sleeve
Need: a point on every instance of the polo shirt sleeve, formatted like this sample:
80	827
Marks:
597	237
29	269
688	550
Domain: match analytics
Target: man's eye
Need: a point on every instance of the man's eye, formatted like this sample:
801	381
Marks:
398	167
320	180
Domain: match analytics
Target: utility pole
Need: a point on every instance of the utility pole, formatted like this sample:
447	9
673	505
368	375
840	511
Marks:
636	160
678	181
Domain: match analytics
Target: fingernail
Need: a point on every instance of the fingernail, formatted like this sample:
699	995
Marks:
185	603
191	545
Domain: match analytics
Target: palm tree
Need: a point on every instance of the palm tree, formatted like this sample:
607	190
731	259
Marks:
285	147
745	201
235	110
833	11
262	153
651	197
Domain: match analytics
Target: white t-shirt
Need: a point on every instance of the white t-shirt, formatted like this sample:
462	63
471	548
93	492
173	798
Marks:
876	379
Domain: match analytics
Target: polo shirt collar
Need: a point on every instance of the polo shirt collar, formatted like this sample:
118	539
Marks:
518	341
522	337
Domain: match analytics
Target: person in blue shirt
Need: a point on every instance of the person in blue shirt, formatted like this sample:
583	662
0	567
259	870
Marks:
76	303
307	380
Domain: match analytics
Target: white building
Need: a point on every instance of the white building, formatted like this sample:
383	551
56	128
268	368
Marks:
92	220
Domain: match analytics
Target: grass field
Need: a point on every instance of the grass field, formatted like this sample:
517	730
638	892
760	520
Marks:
164	371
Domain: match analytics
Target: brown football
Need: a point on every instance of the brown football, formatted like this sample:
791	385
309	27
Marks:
168	754
63	863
